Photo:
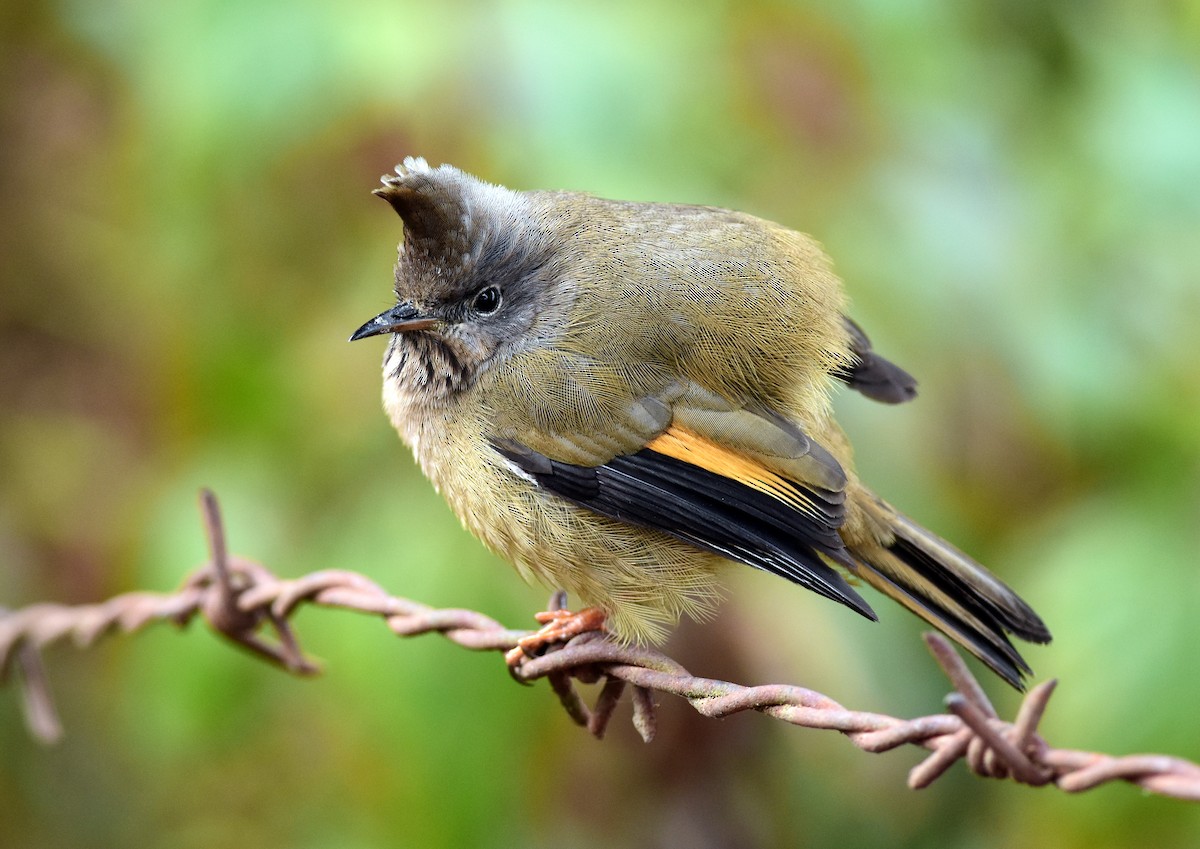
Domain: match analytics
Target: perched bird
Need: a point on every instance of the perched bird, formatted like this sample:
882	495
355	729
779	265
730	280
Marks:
621	398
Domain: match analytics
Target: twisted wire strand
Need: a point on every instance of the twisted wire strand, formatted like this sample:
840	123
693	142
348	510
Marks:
246	603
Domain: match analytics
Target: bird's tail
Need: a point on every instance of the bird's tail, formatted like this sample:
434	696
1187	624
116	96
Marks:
949	590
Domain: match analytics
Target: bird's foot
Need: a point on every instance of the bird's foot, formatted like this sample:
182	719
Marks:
558	626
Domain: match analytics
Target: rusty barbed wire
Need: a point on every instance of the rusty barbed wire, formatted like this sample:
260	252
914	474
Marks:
239	599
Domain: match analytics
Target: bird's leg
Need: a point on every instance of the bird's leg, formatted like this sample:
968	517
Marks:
558	626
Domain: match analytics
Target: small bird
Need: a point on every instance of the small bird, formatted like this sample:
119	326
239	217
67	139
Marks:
622	398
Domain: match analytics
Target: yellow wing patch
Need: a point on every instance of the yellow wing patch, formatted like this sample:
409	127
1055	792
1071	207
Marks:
692	448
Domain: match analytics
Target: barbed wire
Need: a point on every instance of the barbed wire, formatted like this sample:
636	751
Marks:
241	599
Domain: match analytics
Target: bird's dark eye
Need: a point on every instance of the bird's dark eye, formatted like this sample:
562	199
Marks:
487	301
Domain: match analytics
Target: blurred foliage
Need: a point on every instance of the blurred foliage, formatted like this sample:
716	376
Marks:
1010	189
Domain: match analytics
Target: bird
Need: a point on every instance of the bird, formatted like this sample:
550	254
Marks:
625	399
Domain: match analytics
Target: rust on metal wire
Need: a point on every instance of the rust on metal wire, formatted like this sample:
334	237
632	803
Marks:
249	605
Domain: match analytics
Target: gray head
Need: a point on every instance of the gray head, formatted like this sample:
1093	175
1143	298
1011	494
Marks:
474	275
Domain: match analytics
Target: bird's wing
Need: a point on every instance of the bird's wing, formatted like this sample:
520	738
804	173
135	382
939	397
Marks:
871	374
735	480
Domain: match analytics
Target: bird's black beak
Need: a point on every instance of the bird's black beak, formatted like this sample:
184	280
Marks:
399	319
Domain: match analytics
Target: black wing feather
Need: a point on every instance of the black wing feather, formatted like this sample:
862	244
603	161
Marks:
709	511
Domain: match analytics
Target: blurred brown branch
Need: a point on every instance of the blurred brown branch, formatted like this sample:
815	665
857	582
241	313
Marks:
239	598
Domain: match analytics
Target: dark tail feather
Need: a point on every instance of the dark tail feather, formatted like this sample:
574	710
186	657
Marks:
953	593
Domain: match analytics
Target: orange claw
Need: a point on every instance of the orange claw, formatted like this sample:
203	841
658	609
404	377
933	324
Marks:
558	626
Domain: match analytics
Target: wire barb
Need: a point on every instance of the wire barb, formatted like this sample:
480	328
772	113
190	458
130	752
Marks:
239	599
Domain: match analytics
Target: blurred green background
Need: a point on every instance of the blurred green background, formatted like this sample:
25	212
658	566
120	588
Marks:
1011	191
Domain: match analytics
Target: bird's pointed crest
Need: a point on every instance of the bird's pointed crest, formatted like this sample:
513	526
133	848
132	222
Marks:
429	200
